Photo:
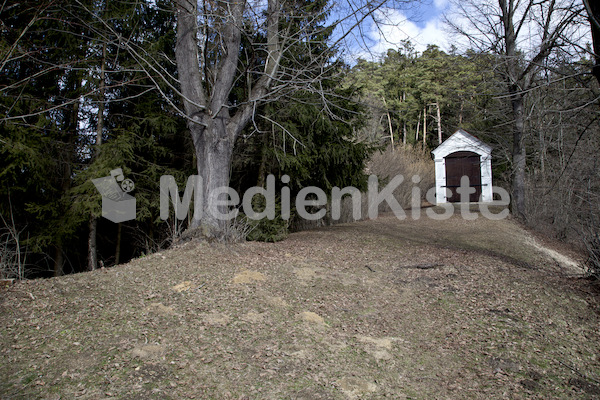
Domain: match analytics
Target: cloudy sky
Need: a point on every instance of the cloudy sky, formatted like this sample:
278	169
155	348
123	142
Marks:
422	25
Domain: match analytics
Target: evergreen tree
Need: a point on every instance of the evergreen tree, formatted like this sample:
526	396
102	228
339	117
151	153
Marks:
45	54
57	105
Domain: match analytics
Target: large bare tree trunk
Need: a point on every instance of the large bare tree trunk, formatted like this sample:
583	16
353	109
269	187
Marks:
516	80
213	148
519	158
513	77
212	126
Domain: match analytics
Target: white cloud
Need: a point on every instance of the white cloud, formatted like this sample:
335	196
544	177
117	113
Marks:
396	27
441	4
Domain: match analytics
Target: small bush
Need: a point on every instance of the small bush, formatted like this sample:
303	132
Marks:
407	161
236	231
266	230
12	252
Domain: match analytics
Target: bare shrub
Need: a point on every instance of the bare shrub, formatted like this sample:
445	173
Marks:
407	161
162	237
12	252
233	231
236	230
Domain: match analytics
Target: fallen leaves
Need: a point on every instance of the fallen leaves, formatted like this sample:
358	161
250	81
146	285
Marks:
426	317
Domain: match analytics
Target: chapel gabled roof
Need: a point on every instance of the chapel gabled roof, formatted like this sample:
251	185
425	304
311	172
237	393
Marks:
461	141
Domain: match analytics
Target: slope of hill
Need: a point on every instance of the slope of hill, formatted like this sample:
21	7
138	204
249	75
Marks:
378	309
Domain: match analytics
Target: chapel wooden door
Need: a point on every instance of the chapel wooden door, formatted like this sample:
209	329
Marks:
459	164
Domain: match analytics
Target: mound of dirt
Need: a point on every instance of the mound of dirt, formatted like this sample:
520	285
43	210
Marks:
376	309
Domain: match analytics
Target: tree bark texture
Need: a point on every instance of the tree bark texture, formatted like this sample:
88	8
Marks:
519	157
92	251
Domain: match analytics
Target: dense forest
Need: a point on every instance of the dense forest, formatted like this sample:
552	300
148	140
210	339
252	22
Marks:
235	92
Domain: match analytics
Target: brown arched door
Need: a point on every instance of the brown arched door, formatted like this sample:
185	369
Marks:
459	164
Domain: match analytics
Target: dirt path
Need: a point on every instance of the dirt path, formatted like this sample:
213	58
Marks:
379	309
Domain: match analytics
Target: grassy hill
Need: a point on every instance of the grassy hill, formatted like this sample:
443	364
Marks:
378	309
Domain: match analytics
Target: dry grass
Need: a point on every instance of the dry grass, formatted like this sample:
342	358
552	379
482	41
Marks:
406	161
378	309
